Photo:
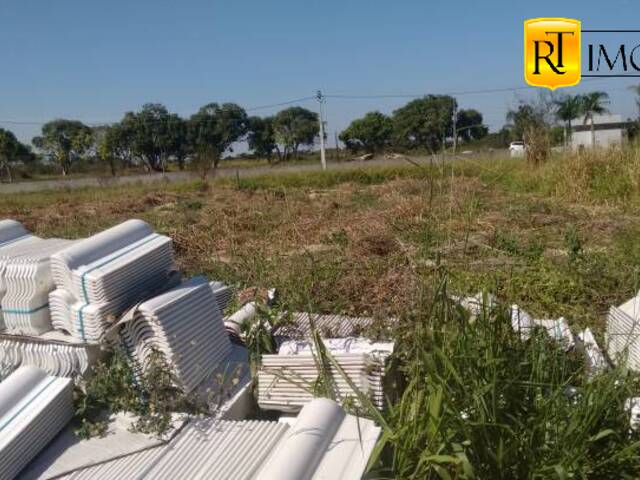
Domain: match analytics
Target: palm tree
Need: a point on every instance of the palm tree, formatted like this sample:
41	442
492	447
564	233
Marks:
594	103
568	109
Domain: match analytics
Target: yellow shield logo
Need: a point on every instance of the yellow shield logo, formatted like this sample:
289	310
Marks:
552	52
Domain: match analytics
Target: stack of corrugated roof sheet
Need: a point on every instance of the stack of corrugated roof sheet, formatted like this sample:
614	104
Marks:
287	382
184	325
13	238
34	407
51	352
326	325
323	443
379	350
98	278
27	282
223	293
622	334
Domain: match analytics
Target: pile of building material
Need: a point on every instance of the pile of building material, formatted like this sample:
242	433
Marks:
380	350
101	276
34	407
622	334
63	299
27	282
323	442
476	305
329	326
594	357
13	238
52	352
522	322
558	330
633	407
185	326
287	382
223	293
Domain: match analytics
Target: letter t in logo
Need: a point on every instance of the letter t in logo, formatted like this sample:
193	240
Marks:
547	58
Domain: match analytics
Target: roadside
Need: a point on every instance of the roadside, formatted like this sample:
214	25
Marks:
229	172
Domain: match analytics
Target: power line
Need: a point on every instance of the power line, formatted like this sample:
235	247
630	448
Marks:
281	104
18	122
334	96
105	123
453	94
418	95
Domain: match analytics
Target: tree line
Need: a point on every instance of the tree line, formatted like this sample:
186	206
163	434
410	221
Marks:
549	120
565	109
426	122
154	138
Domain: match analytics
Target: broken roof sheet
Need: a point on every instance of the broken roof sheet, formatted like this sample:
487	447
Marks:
324	442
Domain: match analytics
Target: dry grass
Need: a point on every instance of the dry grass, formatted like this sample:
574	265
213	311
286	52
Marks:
364	243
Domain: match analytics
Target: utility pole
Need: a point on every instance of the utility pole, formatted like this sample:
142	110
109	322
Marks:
335	137
323	160
455	126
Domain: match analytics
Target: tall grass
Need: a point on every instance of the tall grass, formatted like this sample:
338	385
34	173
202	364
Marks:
611	175
592	176
475	401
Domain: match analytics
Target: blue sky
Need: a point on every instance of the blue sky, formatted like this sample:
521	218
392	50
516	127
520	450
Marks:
93	60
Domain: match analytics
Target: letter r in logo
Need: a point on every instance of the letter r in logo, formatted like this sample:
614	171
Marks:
552	52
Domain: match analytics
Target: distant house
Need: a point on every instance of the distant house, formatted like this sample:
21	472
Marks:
609	130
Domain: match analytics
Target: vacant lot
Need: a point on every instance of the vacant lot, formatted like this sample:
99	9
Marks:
559	239
467	399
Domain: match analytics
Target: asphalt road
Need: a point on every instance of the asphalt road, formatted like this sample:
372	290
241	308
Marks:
43	185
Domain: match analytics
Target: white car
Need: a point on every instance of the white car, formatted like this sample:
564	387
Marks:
516	149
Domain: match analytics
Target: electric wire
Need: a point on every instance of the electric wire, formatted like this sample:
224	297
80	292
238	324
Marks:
335	96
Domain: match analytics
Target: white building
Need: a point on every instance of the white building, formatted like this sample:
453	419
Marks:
609	130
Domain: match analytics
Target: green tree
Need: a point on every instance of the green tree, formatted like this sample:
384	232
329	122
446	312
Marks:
568	108
525	118
152	136
64	142
13	153
593	103
530	122
469	125
424	122
371	133
261	137
212	131
114	146
294	127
